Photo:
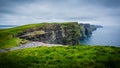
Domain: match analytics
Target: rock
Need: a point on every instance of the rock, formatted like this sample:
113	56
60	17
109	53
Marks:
54	33
58	33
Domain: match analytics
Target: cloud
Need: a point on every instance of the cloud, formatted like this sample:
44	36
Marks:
21	12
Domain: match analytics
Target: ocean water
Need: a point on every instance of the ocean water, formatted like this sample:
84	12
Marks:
108	35
7	26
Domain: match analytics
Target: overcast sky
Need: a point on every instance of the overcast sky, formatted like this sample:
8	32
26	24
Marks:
19	12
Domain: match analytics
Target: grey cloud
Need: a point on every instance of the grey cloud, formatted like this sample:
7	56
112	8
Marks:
31	11
104	3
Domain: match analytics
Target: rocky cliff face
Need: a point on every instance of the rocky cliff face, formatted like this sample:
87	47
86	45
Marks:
85	30
58	33
65	33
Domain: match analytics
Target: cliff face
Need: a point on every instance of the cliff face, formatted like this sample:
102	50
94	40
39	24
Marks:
65	33
85	30
58	33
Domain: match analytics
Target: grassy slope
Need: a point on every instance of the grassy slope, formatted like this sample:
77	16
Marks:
7	39
7	36
62	57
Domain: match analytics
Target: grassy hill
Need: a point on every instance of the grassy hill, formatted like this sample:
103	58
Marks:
62	57
7	36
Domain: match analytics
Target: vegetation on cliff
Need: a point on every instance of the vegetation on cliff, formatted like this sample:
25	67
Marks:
62	57
8	37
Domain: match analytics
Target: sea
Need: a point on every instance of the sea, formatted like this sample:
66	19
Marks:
106	36
7	26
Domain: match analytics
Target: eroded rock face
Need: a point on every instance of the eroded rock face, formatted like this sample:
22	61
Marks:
85	30
65	33
58	33
88	29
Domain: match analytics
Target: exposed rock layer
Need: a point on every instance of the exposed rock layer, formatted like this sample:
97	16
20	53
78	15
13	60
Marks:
56	33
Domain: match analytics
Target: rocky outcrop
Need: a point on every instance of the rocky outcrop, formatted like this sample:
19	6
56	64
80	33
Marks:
65	33
85	30
58	33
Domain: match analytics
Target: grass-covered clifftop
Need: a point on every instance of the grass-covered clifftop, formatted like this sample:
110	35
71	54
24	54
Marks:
8	37
62	57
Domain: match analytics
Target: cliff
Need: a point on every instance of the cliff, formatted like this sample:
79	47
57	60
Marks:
85	30
57	33
66	33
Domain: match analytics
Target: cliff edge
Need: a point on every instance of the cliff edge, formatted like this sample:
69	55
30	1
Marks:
57	33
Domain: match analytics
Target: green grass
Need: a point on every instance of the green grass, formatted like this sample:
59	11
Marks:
8	37
62	57
9	43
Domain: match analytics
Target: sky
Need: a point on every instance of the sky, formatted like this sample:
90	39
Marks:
21	12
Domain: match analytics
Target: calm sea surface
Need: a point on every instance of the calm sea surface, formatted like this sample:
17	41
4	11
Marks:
108	35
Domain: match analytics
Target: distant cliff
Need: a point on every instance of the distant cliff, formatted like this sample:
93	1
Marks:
85	30
57	33
94	27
